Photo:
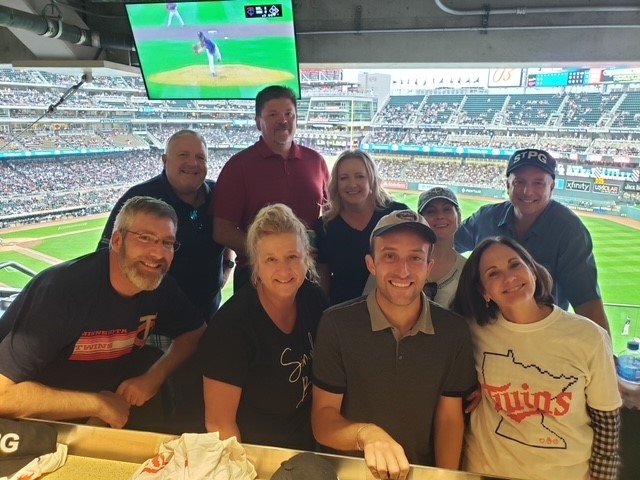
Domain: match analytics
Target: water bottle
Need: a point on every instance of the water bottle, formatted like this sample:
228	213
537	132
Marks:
628	371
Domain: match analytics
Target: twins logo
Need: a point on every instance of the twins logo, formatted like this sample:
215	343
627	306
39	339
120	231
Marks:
535	397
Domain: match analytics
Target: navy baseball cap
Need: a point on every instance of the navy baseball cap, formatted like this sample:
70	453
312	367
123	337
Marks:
532	157
307	466
21	441
404	219
434	193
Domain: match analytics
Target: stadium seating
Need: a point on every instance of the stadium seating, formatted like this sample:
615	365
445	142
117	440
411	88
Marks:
113	113
524	109
400	110
628	113
439	109
481	109
584	110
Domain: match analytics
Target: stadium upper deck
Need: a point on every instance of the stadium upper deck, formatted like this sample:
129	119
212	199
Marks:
568	123
113	113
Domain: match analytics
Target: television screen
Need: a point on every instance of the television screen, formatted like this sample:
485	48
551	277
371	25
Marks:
216	49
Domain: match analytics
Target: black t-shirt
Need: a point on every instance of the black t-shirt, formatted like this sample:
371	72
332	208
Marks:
243	347
343	249
71	329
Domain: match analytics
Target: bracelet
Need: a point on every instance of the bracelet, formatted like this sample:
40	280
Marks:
360	428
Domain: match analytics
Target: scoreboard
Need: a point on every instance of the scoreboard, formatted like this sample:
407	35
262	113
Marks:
583	76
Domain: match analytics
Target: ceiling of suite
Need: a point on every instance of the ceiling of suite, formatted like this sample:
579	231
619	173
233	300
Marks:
318	20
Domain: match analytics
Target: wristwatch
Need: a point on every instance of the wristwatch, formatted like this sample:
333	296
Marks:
226	263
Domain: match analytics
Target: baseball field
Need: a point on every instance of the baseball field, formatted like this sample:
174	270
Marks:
616	248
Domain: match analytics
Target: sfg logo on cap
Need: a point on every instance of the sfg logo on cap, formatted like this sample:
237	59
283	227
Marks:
9	442
530	154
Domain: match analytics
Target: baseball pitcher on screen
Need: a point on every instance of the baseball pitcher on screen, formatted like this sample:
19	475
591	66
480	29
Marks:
213	52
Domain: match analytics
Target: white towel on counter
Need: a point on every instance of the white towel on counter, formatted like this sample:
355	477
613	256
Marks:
201	456
37	467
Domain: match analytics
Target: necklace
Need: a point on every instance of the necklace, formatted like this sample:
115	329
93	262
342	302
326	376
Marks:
448	280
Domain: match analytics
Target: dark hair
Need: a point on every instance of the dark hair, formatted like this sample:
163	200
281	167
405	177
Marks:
142	205
469	300
272	92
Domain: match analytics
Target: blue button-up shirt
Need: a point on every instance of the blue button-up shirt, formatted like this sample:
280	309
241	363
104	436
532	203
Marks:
558	240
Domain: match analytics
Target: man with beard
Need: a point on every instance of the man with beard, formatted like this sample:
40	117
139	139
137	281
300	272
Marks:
273	170
76	347
200	267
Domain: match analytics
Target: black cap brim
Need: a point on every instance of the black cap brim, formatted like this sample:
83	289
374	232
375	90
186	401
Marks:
33	440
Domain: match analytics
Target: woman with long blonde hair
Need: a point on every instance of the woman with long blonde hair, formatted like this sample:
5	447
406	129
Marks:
356	202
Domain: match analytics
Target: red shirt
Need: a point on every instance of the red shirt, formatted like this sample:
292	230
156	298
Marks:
256	177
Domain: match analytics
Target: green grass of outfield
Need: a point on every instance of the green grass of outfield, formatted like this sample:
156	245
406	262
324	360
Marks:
53	229
616	248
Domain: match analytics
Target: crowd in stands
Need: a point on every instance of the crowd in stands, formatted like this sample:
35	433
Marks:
387	136
47	138
423	136
439	172
47	188
37	189
436	112
617	147
524	110
114	113
81	184
563	143
517	141
403	121
398	112
436	119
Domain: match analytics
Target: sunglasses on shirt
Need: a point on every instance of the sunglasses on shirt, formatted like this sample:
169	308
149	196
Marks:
430	290
195	219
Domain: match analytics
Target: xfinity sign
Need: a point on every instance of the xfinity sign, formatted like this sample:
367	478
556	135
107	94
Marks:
576	185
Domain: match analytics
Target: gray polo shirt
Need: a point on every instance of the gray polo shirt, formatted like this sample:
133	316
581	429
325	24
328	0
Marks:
392	382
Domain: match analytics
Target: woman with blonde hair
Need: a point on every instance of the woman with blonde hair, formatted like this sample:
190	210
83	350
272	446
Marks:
356	202
256	353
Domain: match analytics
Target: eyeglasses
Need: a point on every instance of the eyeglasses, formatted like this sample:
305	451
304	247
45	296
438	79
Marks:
151	239
195	219
430	290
